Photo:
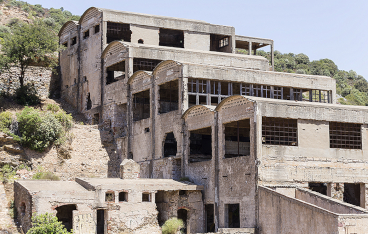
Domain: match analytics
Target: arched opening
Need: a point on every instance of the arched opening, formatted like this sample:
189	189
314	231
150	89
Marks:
65	215
140	41
183	215
170	145
89	101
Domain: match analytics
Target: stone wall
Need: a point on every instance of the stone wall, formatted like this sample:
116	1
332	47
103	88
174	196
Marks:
39	76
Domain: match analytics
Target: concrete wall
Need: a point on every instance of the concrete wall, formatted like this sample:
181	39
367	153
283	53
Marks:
281	214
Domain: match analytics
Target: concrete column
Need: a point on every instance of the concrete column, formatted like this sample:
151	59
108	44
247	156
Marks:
250	48
272	58
329	188
363	196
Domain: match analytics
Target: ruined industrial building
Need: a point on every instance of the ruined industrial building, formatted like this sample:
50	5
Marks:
202	133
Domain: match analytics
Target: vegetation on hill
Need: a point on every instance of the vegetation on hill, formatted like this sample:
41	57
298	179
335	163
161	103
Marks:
351	87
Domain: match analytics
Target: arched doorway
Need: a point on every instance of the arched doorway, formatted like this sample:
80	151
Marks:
183	215
170	145
65	215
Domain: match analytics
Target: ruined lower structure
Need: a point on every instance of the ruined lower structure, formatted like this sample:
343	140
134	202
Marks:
273	151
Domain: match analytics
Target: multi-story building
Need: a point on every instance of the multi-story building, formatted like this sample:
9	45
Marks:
182	103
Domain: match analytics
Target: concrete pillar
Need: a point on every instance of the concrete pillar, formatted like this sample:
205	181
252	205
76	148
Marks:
329	189
250	48
363	196
272	58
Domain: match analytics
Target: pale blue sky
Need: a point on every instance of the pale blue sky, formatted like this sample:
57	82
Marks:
333	29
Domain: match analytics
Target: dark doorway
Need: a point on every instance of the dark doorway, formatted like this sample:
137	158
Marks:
210	221
100	221
170	145
89	101
172	38
352	194
233	218
318	187
65	215
183	215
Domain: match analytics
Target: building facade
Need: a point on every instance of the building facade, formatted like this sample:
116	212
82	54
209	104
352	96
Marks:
182	103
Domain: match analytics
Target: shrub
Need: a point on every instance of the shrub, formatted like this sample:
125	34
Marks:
45	176
172	226
4	30
7	173
66	120
13	21
49	21
27	95
38	130
52	107
46	223
5	121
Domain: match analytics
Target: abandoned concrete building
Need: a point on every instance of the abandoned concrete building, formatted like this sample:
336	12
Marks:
264	151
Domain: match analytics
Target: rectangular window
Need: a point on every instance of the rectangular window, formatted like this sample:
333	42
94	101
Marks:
146	197
278	131
97	28
123	197
200	145
110	197
172	38
141	105
220	43
237	138
74	41
169	97
345	135
224	42
118	32
115	72
141	64
277	92
86	34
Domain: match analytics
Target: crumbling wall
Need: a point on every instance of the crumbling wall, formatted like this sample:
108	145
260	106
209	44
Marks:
23	199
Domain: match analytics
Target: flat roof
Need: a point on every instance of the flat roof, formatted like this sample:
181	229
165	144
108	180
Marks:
48	185
140	184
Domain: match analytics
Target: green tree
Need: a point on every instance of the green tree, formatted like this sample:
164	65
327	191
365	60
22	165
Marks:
29	43
46	224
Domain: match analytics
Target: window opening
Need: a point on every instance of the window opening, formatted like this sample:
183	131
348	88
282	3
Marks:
86	34
235	88
266	91
96	119
220	43
246	89
277	92
200	145
169	97
172	38
118	32
278	131
23	209
352	194
110	197
146	197
183	215
210	218
140	41
170	145
318	187
75	80
233	216
141	105
141	64
298	94
65	215
146	130
345	135
74	40
257	90
123	197
97	28
287	93
237	138
115	72
66	45
182	192
89	101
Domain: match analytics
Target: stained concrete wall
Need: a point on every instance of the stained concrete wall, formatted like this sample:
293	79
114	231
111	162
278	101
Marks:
281	214
149	35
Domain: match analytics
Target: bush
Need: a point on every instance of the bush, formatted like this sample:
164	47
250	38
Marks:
5	121
45	176
13	21
49	21
66	120
172	226
7	173
27	95
4	30
52	107
46	223
38	130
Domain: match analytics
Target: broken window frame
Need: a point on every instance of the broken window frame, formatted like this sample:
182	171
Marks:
96	28
118	32
73	41
223	42
238	137
145	102
345	135
279	131
143	64
110	72
202	155
173	97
